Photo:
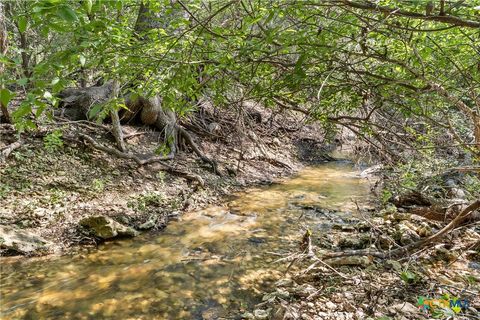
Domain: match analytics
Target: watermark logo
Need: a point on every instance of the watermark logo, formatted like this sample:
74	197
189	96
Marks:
430	305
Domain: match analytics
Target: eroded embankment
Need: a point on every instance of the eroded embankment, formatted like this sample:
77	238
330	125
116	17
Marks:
55	181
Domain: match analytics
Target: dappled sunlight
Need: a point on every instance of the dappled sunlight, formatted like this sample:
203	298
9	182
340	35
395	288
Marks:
216	258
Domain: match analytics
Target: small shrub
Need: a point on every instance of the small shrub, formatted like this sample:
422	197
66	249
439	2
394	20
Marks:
53	141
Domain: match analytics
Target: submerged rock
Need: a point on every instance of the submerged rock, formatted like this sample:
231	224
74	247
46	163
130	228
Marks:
22	242
106	228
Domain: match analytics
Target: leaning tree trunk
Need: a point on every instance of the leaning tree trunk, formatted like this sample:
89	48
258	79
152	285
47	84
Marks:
165	118
3	51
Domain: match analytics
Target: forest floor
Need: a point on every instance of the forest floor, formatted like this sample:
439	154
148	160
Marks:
438	281
50	184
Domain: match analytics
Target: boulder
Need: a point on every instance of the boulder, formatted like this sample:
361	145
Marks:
106	228
22	241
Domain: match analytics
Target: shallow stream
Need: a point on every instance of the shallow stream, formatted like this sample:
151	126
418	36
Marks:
210	264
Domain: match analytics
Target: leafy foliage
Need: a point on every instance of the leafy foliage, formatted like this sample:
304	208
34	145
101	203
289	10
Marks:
53	141
397	76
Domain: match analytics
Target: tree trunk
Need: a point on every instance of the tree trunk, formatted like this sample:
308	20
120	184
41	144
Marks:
117	127
3	51
152	112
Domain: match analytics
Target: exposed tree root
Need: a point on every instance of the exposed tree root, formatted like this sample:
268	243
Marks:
197	151
77	103
140	160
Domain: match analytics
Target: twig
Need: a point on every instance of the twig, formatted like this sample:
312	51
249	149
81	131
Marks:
131	135
6	151
317	261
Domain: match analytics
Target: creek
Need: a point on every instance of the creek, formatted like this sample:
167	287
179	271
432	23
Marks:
211	263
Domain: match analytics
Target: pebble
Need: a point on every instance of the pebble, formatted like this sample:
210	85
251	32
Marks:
248	315
260	314
330	305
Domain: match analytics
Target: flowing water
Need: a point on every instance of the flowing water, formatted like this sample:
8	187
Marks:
212	263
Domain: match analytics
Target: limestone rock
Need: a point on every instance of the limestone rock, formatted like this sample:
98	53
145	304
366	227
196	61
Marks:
22	242
405	235
354	242
362	261
285	282
261	314
106	228
149	224
405	308
248	315
304	290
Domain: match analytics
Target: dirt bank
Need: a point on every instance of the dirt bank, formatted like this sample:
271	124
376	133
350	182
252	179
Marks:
54	180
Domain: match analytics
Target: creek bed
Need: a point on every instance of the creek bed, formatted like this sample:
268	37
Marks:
212	263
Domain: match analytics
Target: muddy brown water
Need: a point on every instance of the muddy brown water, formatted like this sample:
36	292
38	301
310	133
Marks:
212	263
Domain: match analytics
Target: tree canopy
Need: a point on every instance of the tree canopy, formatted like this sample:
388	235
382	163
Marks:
371	66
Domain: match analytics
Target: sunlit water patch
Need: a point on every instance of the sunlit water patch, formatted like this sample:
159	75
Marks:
212	263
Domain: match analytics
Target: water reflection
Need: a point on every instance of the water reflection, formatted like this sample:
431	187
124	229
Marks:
210	264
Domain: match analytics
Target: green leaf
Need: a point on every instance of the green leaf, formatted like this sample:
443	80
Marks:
47	95
40	108
22	81
67	14
5	96
22	24
87	4
408	277
93	112
24	109
82	60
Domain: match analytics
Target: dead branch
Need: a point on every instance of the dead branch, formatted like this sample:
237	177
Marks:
6	151
135	134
